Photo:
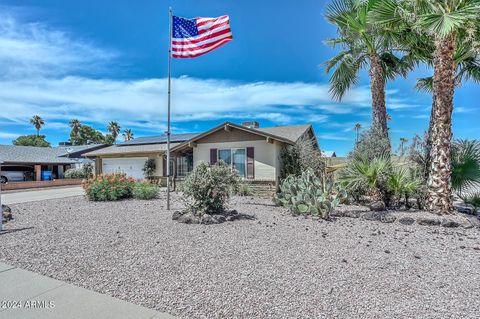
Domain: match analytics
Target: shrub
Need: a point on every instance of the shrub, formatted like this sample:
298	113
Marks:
244	190
149	167
109	187
306	194
403	184
145	190
207	188
372	144
86	171
302	156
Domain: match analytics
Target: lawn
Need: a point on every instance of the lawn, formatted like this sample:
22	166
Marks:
275	266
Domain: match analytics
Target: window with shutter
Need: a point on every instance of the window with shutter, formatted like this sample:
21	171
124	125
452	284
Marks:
213	156
250	163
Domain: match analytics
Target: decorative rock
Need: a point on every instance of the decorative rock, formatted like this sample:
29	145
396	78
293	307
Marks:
428	222
383	217
208	219
378	206
176	215
450	223
219	218
188	219
7	213
406	221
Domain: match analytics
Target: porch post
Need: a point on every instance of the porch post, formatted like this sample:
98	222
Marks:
38	172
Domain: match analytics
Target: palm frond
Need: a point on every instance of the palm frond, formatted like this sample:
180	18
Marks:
465	164
345	75
424	84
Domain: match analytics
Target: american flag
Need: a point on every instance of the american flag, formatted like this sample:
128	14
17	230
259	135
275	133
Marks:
195	37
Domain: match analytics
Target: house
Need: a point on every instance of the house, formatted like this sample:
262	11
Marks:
329	154
33	160
253	151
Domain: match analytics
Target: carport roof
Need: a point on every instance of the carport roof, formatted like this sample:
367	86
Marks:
39	155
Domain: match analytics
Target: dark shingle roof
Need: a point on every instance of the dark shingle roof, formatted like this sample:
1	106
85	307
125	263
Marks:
174	138
131	149
41	155
289	132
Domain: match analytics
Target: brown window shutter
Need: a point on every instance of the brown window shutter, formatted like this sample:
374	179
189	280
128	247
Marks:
213	156
164	166
250	163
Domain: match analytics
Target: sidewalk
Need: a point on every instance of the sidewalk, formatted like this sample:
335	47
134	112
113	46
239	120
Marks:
25	295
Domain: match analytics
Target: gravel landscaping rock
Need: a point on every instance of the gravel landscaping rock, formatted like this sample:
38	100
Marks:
276	266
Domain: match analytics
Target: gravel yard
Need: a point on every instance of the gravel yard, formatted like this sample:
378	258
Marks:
276	266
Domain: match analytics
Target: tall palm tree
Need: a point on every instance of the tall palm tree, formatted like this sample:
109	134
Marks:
75	126
444	23
357	128
114	129
127	134
363	46
38	122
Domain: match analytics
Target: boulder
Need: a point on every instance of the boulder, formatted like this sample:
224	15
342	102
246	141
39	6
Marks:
428	222
188	219
219	218
406	220
378	206
7	213
381	216
208	219
450	223
176	215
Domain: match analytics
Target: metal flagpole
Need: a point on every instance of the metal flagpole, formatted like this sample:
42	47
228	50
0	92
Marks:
169	93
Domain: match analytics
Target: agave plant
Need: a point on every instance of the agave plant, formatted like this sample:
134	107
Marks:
307	194
465	166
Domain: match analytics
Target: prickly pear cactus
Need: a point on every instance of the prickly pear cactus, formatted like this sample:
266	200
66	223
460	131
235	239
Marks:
306	194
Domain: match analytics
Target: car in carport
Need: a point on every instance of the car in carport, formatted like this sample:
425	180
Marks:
15	174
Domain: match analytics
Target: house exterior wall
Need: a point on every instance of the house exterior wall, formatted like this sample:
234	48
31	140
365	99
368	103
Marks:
156	156
266	158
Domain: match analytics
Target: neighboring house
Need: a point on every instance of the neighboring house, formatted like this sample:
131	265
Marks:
253	151
329	154
31	161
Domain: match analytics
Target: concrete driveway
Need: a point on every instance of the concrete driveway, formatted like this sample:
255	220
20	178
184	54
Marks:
23	196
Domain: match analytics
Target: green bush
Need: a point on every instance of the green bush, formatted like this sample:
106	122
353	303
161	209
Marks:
304	155
306	194
109	187
404	184
149	167
207	188
86	171
372	144
145	190
244	190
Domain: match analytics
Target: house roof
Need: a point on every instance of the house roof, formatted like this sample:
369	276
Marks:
290	132
43	155
174	138
329	154
131	149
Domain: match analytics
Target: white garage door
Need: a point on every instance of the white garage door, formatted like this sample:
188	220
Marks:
132	166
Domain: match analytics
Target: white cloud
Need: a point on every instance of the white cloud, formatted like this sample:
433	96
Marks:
8	135
334	137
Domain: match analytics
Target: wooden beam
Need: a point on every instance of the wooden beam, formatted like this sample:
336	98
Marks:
228	128
192	144
270	140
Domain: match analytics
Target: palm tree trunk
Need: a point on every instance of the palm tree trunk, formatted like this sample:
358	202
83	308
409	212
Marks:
377	86
439	178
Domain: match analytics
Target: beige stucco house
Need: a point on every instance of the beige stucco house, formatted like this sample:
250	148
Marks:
253	151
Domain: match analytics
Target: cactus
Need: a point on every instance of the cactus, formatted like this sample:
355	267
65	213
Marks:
307	195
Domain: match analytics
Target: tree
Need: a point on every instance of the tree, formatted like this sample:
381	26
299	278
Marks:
127	134
357	128
75	126
87	135
363	45
401	147
444	23
114	129
31	140
38	122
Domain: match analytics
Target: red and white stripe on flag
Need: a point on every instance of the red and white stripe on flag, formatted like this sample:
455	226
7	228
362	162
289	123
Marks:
199	36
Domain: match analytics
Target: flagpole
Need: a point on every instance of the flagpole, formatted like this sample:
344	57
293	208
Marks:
168	105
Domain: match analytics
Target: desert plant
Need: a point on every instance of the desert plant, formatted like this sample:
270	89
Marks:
149	167
365	176
244	190
474	200
207	188
109	187
306	194
145	190
403	184
305	154
86	171
465	165
372	144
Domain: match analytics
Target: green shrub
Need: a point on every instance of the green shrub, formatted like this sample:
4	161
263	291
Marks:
404	184
372	144
86	171
207	188
149	167
304	155
306	194
109	187
145	190
244	190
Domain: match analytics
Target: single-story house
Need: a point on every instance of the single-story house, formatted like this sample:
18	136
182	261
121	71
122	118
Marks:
253	151
33	160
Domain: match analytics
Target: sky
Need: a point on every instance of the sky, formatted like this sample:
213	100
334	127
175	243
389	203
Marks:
102	61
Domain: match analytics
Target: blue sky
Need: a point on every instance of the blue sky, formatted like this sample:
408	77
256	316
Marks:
107	60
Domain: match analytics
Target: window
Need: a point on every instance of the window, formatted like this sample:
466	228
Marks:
235	157
184	165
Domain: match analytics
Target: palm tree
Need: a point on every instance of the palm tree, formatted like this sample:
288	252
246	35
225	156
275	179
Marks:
114	129
75	126
401	147
357	128
444	23
38	122
127	134
364	45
